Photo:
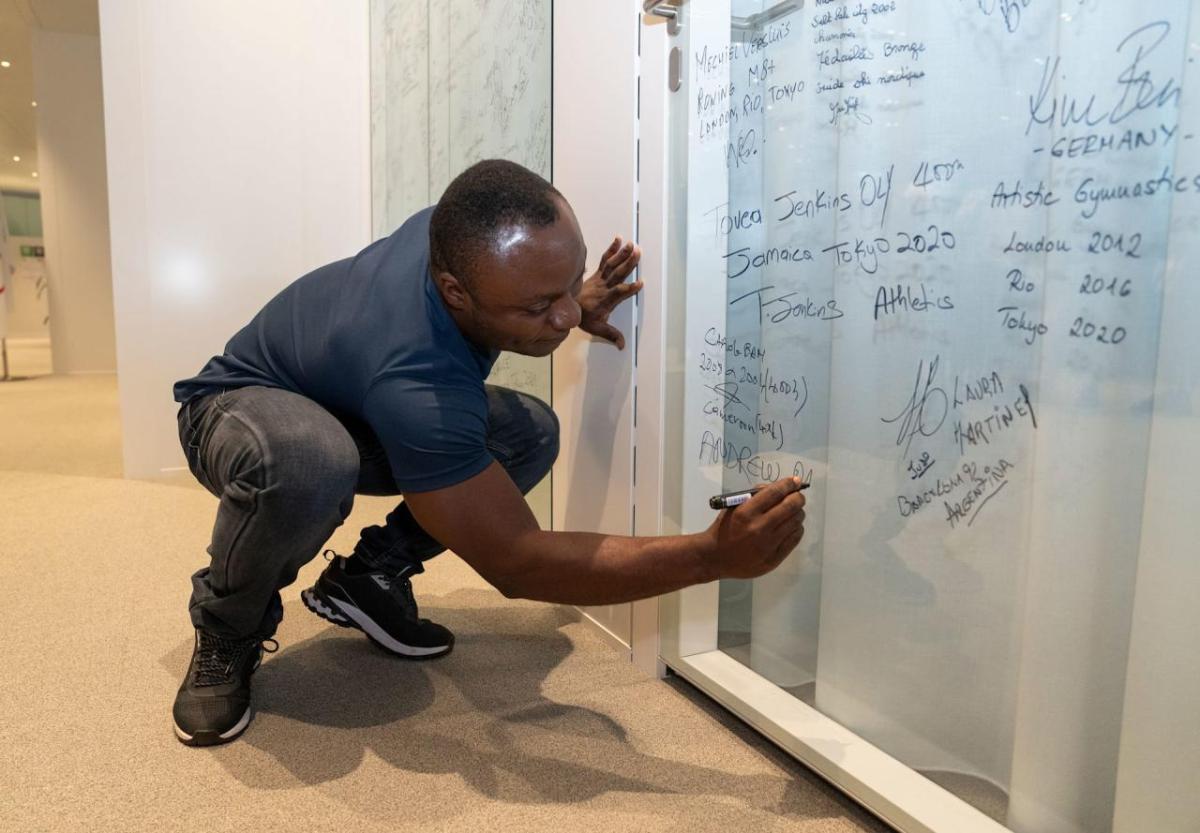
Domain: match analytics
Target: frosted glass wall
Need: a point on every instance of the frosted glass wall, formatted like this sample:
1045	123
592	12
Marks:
452	83
939	257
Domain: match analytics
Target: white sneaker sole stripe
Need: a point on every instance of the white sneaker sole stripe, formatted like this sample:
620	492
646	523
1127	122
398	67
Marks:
380	636
317	606
239	726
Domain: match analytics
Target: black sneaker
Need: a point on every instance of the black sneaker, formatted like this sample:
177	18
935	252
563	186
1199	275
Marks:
213	704
381	606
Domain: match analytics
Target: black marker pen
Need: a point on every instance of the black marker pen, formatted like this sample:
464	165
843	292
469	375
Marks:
732	499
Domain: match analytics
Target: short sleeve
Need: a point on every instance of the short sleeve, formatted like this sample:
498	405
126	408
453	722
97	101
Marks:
434	435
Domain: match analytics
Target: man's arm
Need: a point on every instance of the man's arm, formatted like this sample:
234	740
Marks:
486	522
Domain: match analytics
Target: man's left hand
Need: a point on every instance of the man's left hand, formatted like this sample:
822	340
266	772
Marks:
606	288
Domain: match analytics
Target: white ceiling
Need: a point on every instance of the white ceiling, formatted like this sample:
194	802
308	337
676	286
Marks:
18	126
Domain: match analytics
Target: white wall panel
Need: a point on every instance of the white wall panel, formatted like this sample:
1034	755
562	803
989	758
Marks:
71	170
238	160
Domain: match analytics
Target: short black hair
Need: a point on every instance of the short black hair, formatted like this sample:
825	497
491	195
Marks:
477	205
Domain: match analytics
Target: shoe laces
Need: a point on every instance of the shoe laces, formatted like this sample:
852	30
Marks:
399	587
218	656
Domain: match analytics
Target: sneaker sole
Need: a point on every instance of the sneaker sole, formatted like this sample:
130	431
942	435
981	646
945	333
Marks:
213	738
346	615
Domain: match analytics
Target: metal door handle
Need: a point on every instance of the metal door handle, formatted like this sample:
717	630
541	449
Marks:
661	8
758	21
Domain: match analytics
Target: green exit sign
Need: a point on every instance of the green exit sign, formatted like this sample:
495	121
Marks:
33	251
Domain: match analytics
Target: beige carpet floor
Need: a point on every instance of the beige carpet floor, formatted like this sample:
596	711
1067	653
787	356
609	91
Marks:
532	724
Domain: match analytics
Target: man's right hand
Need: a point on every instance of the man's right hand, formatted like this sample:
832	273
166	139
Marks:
754	538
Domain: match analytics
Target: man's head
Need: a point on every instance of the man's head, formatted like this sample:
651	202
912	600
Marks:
508	258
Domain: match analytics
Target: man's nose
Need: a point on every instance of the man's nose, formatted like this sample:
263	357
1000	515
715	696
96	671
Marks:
566	314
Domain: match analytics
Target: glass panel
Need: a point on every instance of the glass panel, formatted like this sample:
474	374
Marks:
927	251
453	83
24	214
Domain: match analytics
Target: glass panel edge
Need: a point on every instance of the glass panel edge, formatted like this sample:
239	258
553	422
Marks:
884	786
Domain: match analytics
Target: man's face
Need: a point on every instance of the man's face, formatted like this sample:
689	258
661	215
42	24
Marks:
523	295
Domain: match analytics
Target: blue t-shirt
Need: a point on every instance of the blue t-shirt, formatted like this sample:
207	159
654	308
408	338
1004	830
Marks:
369	338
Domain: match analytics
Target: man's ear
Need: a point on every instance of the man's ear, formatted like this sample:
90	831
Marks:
453	292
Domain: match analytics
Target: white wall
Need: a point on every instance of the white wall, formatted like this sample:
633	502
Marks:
238	160
70	119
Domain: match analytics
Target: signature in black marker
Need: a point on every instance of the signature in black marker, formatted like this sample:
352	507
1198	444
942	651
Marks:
729	392
926	410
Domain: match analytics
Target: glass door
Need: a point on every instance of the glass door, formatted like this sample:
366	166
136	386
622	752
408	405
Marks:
934	258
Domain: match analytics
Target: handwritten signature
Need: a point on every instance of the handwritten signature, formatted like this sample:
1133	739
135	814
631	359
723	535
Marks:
1009	11
926	410
1136	85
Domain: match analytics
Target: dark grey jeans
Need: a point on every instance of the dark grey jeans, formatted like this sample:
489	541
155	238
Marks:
286	471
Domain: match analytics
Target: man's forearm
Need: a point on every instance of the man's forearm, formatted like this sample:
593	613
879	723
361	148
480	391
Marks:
585	568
